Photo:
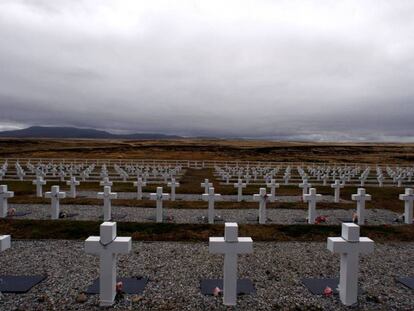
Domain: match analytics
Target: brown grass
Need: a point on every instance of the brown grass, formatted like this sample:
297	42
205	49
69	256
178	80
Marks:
80	230
196	149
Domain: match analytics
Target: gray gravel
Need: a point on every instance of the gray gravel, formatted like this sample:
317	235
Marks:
175	269
139	214
197	197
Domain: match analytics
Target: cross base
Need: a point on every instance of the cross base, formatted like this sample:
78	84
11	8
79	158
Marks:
204	219
407	281
244	286
19	284
253	218
317	286
131	285
18	214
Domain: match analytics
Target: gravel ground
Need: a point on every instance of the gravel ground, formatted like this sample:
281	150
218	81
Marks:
197	197
175	269
139	214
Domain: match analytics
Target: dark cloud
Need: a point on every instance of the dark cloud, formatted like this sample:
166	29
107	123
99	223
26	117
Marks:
283	69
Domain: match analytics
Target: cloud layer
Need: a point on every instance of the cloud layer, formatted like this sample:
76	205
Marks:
278	69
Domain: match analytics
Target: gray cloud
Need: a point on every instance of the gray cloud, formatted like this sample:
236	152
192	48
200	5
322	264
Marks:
278	69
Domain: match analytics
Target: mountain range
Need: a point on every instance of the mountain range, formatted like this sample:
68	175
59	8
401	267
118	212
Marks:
74	132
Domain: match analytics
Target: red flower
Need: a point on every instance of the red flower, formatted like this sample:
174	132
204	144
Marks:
327	292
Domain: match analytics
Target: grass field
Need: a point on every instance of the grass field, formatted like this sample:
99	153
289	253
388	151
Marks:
193	149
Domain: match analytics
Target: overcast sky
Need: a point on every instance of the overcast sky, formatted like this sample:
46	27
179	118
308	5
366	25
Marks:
277	69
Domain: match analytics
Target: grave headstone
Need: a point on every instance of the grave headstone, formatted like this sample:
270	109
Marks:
211	197
261	197
107	196
360	198
230	245
349	246
159	196
240	185
107	246
408	198
55	195
4	196
312	197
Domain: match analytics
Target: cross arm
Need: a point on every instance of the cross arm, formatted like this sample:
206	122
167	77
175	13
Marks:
92	245
121	245
218	245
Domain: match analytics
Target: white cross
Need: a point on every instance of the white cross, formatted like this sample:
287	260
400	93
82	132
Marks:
107	196
362	179
337	186
159	197
380	180
4	196
173	184
408	198
325	178
72	183
361	197
206	185
211	197
240	185
105	182
107	246
226	176
399	180
311	198
305	186
5	242
139	184
62	175
349	245
230	245
262	199
272	185
55	195
286	179
39	182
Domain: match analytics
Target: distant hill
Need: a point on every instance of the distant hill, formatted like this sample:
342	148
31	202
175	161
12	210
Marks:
73	132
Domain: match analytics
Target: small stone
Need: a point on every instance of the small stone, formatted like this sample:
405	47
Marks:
136	298
81	298
41	298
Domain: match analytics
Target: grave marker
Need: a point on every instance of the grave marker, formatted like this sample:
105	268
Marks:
139	184
206	185
312	197
408	198
107	246
360	198
337	186
4	196
173	184
230	245
272	185
261	197
349	245
211	197
107	196
55	195
159	197
72	183
39	182
240	185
